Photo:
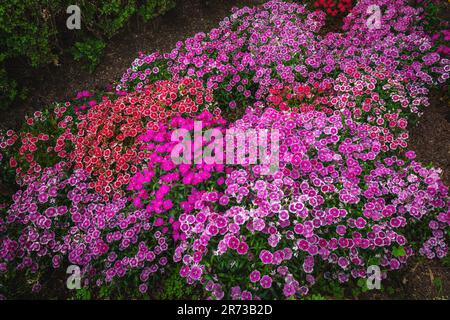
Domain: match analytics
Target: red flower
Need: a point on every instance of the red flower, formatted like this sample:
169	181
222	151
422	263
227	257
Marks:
107	145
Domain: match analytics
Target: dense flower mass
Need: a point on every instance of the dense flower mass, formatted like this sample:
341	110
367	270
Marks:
250	51
45	139
277	45
125	184
334	201
56	217
107	144
167	182
334	7
61	220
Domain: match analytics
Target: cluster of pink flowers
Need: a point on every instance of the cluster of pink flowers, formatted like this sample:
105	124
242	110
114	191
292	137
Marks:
61	221
99	186
282	230
334	7
165	184
277	44
249	52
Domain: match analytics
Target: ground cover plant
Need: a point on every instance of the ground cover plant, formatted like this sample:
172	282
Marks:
95	184
34	32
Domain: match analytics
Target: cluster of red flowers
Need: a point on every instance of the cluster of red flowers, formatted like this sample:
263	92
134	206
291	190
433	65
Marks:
45	139
302	98
386	127
334	7
107	144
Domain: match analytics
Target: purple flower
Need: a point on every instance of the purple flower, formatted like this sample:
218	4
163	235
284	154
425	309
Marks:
266	282
255	276
196	273
266	257
143	288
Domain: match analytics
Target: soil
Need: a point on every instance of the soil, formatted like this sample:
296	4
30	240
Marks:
420	280
430	138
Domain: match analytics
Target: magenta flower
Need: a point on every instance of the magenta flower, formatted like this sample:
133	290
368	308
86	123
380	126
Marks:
143	288
196	273
266	257
255	276
266	282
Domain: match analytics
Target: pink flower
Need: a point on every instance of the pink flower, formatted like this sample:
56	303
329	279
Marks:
255	275
159	222
196	273
143	288
266	257
410	154
167	204
266	282
242	248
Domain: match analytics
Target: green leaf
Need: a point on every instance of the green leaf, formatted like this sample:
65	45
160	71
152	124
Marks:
399	252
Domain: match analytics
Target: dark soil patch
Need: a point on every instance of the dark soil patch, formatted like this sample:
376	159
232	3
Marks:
430	138
420	280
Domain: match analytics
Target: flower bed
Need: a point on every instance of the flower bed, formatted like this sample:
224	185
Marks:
98	186
336	206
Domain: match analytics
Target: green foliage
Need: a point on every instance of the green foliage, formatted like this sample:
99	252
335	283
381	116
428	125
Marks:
316	297
362	284
90	52
27	29
8	89
151	9
446	260
433	16
106	17
390	291
32	30
398	252
438	284
175	288
327	288
83	294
